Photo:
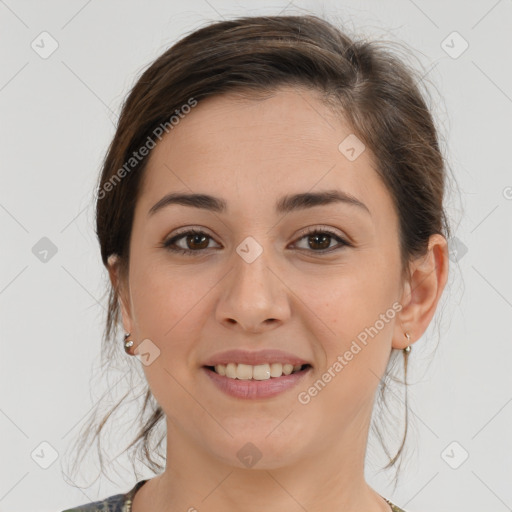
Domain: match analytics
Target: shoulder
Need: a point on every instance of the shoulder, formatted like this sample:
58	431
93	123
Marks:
116	503
112	504
394	508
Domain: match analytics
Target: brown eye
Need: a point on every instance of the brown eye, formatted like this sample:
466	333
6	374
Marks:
197	241
319	240
194	241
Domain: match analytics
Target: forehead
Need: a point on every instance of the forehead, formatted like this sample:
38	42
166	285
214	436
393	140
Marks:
254	150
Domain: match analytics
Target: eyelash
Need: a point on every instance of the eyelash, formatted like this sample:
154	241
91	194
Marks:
315	231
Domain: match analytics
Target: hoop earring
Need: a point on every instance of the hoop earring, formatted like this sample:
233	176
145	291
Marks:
128	344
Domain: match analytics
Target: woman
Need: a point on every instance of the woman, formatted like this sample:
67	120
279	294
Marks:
270	212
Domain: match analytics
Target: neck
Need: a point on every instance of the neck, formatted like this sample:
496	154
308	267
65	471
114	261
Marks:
330	478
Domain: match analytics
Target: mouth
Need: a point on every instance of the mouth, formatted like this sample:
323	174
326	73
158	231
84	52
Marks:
258	372
261	381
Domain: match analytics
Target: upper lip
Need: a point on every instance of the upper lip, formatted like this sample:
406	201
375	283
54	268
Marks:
254	357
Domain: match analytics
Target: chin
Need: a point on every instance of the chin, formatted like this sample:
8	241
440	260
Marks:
257	450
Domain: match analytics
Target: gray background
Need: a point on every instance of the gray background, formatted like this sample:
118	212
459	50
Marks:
57	119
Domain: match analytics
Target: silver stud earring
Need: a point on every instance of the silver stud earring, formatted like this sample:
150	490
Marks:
127	343
408	348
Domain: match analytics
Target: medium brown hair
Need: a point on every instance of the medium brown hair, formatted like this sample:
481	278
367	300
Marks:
374	90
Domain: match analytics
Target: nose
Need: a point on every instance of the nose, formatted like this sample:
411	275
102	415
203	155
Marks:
254	296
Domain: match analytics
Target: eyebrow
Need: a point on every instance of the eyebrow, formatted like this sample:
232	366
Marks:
284	205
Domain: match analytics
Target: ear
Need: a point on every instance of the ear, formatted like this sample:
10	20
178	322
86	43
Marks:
121	289
421	293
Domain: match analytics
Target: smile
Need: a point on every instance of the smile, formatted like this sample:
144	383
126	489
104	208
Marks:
256	372
259	381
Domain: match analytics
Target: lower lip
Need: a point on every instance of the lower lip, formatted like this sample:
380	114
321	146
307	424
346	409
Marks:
254	389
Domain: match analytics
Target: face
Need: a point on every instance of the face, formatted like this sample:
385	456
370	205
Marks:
317	280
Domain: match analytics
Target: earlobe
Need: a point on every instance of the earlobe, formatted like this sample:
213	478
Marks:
428	276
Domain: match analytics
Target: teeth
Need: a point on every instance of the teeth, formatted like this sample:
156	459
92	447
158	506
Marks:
257	372
244	371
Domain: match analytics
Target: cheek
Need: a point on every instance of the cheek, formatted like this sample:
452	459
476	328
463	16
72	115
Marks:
163	303
358	307
357	346
164	297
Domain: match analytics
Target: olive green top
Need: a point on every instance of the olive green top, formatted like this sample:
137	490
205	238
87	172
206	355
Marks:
123	503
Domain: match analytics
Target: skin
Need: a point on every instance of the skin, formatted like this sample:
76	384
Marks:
250	153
